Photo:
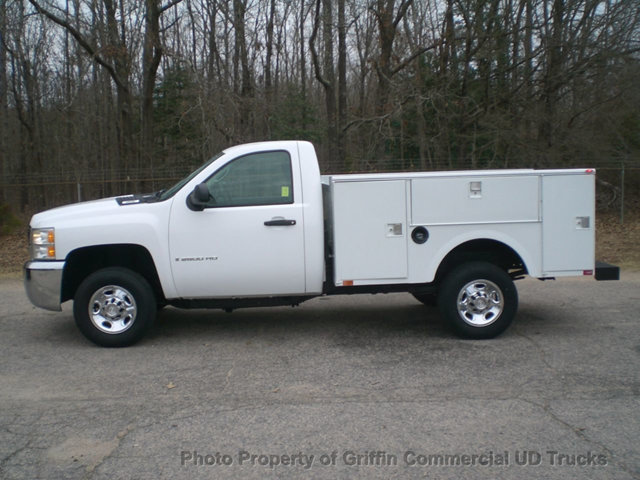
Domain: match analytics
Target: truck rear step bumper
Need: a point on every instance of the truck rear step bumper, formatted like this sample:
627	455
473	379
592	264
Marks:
606	271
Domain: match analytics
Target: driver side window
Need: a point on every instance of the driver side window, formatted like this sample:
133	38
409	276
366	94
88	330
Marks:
262	178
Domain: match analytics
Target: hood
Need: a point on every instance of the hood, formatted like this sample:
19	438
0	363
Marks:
74	212
77	211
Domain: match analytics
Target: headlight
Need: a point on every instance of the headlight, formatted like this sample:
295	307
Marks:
42	243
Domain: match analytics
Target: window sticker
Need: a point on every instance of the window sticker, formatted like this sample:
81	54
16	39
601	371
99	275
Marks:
284	191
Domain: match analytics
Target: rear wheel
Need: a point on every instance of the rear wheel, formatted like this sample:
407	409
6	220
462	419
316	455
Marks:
114	307
478	299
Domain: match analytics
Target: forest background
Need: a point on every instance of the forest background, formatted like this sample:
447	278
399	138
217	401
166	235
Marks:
104	97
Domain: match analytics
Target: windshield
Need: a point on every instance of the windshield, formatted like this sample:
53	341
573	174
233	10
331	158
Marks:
170	192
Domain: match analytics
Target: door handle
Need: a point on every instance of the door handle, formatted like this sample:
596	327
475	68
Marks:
280	222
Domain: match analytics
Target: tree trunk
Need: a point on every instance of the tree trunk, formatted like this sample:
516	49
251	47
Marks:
552	78
126	144
388	20
342	84
243	75
4	110
303	66
268	84
151	56
325	74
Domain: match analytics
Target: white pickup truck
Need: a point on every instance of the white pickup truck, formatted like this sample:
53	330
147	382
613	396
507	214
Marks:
257	225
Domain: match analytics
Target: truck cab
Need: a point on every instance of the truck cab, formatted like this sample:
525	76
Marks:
257	230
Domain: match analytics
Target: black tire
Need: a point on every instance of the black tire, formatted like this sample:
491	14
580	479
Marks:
114	307
429	299
478	299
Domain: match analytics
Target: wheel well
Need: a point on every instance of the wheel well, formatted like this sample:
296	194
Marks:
84	261
487	250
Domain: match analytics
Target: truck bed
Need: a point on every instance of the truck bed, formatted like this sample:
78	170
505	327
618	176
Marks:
546	216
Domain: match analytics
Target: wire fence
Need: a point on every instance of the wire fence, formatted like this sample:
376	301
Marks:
618	184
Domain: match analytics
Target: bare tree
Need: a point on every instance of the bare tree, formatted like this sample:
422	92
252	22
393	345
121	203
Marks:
325	72
4	106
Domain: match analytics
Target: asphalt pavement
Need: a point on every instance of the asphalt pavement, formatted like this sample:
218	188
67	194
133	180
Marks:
364	387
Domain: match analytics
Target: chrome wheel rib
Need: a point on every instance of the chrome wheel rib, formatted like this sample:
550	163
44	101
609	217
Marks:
112	309
480	303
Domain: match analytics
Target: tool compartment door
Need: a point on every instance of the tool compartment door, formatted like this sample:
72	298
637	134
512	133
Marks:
370	231
568	223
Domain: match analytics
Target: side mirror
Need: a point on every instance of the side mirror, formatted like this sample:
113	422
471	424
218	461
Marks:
199	198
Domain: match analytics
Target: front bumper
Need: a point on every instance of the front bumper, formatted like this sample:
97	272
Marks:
43	283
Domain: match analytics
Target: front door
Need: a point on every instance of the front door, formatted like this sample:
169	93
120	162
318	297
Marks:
249	240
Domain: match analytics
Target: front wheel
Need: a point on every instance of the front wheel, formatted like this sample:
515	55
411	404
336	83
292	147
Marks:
478	299
114	307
